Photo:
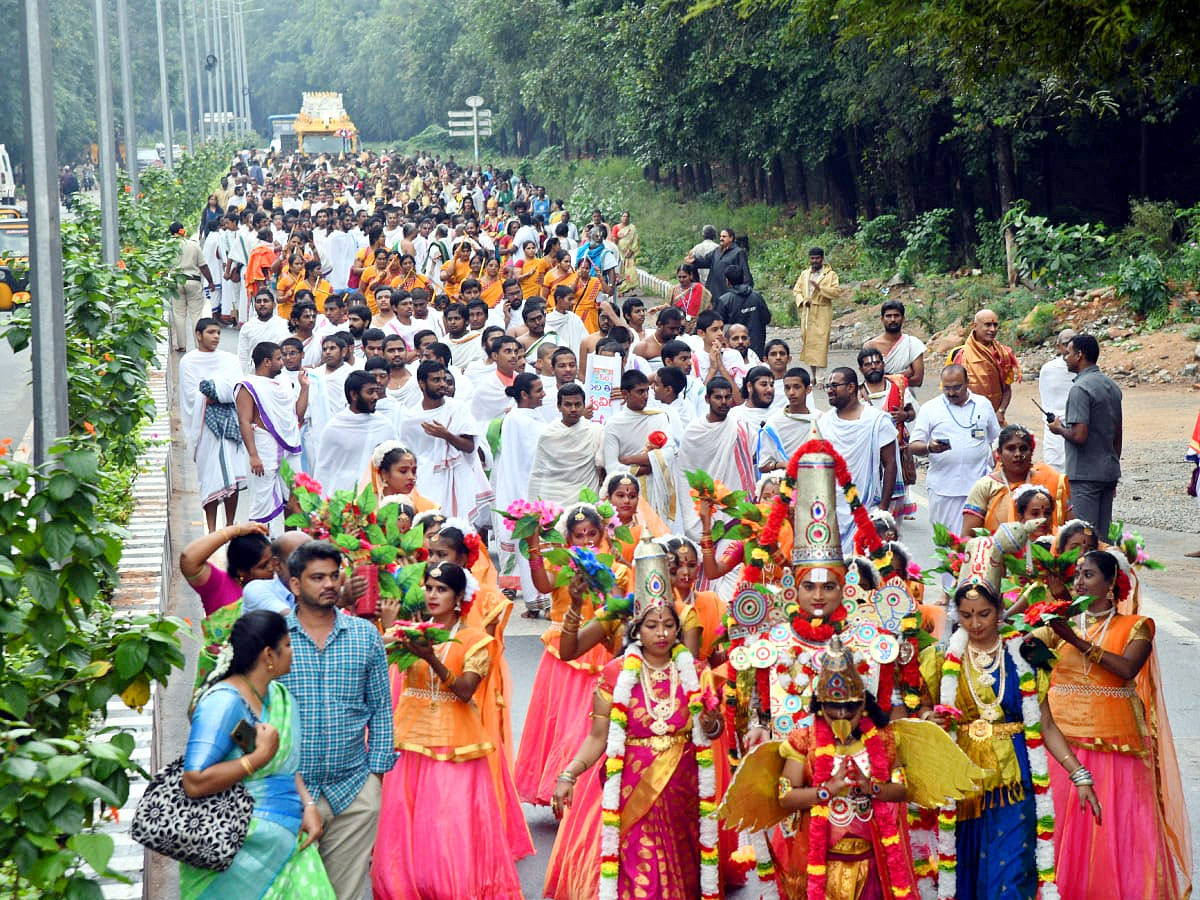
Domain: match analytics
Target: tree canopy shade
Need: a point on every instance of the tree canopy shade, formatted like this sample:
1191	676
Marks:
867	107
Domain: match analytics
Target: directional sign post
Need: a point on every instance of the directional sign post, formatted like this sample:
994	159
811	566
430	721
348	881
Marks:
471	122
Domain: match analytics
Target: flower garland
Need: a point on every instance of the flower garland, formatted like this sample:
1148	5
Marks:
614	766
1031	716
825	756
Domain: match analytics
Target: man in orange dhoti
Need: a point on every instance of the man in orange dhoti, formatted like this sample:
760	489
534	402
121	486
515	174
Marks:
991	366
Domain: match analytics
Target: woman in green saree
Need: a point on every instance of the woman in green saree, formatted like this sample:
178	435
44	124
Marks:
279	859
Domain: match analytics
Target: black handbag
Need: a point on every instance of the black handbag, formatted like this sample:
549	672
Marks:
205	832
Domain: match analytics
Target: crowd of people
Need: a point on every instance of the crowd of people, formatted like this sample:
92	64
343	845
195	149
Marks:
744	667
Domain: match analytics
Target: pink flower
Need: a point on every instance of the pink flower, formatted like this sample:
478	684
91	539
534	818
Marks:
308	483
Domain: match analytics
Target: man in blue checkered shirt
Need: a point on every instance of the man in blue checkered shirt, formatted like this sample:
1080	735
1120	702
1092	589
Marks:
340	682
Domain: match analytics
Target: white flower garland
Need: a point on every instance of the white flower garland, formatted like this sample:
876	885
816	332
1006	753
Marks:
610	834
1031	716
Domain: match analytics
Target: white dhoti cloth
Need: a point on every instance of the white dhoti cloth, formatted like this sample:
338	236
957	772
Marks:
277	442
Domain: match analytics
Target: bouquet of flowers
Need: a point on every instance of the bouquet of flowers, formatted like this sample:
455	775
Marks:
391	560
1132	544
950	550
525	519
406	633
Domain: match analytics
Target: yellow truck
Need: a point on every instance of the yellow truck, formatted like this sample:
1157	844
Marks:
323	125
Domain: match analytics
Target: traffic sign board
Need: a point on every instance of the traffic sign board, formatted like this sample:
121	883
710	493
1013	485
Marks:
474	101
469	114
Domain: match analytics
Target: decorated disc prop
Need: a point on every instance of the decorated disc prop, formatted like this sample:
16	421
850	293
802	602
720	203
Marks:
763	655
749	608
781	632
740	659
885	648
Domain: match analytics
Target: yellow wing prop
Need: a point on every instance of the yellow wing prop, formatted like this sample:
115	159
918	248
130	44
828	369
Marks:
936	769
752	801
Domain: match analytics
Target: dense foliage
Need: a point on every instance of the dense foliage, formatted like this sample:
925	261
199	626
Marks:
63	652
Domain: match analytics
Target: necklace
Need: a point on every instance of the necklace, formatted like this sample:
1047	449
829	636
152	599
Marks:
254	691
440	653
985	660
660	709
990	712
1103	619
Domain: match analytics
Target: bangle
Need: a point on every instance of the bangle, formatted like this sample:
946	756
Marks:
247	765
823	793
1081	777
1094	653
783	787
308	803
565	775
449	682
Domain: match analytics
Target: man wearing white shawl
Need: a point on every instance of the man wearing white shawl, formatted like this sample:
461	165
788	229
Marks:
444	437
793	423
563	321
221	463
350	436
465	346
491	399
569	455
519	432
866	439
718	444
270	410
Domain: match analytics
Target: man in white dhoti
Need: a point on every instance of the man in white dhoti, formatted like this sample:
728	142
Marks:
569	455
519	434
465	346
270	410
755	413
794	422
957	430
444	437
235	255
1054	384
333	373
563	321
213	441
402	383
317	413
491	398
349	437
866	439
264	327
626	432
902	353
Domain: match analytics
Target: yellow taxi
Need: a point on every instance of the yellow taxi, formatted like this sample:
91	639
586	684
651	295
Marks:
14	262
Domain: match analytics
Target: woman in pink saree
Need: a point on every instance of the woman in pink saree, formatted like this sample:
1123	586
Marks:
654	718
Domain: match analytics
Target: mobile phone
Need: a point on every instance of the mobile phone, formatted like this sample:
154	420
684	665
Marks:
945	441
243	736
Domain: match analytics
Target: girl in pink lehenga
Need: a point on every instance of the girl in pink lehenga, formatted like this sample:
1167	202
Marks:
563	685
441	831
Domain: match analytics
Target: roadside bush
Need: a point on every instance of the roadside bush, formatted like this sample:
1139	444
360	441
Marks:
879	241
989	249
1150	229
927	241
1143	281
1049	254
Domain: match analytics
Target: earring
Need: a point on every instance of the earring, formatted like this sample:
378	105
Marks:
270	666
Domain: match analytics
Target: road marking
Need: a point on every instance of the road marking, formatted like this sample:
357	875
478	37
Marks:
1167	619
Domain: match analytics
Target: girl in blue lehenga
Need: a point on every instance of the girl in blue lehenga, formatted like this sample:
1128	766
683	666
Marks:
279	859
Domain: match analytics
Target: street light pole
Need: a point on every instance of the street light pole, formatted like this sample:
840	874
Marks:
131	165
213	98
245	72
187	88
197	60
49	342
106	139
164	86
220	71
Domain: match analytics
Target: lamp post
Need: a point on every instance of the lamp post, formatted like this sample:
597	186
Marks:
127	96
187	87
106	140
164	86
49	343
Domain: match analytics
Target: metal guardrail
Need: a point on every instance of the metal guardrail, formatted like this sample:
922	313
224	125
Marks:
656	285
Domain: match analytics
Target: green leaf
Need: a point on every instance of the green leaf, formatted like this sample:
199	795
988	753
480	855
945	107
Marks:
297	520
59	768
83	464
587	495
20	768
95	847
95	789
131	657
623	534
15	699
83	888
558	556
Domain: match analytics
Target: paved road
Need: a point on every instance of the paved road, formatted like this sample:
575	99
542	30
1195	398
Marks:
16	392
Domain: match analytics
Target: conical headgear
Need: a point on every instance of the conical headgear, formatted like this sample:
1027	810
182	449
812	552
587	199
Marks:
816	541
839	681
651	578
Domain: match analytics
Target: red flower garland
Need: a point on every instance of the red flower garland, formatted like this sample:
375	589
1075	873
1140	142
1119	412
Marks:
818	630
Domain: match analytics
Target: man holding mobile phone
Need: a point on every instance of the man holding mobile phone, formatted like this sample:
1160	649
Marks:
956	431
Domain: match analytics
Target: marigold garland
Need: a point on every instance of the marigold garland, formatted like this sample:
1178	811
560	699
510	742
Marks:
614	767
1031	716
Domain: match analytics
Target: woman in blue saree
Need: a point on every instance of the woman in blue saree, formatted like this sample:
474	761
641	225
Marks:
279	859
